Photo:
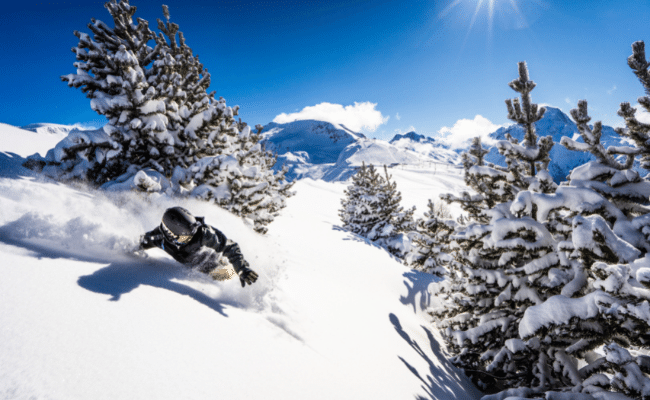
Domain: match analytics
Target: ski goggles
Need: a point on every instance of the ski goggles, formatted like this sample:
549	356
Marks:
179	240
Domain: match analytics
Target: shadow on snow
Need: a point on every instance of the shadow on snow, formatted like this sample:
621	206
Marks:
417	283
443	381
122	277
11	166
358	238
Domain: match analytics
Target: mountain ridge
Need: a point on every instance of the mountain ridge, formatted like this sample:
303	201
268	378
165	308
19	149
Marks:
555	123
319	150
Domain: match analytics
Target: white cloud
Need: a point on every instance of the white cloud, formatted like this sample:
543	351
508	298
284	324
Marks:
641	114
360	117
398	117
567	100
459	135
610	91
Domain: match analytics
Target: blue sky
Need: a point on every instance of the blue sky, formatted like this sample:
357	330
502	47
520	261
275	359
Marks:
384	67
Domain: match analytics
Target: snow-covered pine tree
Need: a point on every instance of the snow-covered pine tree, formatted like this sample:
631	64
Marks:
359	212
112	71
165	132
430	241
493	184
502	263
606	303
201	125
371	208
531	154
242	181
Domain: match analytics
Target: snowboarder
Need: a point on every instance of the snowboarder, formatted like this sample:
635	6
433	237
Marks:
190	241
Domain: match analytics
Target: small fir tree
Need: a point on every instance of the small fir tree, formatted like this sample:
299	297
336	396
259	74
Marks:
372	209
430	241
361	202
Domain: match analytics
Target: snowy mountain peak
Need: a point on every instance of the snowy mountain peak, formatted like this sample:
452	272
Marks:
411	136
556	113
318	142
556	124
319	150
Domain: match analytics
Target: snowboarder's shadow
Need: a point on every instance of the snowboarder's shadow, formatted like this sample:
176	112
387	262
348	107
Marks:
121	277
442	380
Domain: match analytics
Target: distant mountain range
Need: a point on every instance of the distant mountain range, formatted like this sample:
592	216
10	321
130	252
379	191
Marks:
51	129
556	124
318	150
321	150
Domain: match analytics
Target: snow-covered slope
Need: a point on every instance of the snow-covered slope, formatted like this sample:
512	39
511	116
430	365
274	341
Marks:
432	148
53	129
377	152
331	317
27	141
320	142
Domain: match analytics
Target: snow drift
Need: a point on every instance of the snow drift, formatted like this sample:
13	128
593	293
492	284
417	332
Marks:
332	316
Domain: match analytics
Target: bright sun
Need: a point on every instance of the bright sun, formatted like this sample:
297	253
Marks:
490	6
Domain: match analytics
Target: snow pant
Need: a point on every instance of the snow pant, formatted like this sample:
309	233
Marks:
206	260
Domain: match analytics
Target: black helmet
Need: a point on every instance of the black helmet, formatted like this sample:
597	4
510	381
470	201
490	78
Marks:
179	225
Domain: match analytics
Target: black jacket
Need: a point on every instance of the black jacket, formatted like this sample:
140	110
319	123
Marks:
202	251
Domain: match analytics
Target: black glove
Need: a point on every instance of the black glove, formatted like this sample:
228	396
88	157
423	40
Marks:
247	275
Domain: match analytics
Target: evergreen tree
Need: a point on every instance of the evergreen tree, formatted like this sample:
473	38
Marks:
112	71
502	263
604	216
372	209
243	181
360	205
163	125
600	223
430	241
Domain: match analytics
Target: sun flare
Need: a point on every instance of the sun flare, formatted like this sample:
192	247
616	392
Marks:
486	10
